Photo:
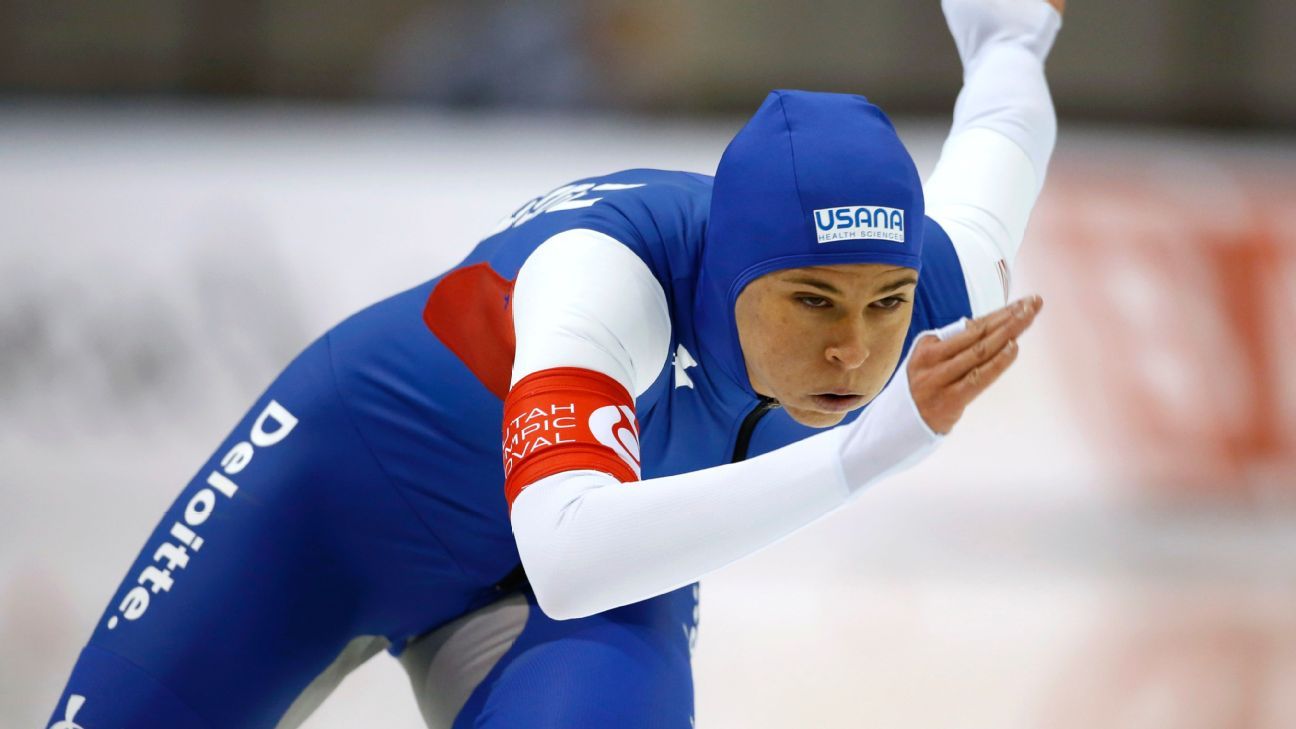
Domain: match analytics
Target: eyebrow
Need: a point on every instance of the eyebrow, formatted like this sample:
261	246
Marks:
806	281
898	284
820	284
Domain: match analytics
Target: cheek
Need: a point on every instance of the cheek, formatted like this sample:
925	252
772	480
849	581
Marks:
792	341
890	341
767	331
782	352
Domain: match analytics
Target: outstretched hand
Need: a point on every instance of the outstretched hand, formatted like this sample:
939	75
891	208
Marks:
946	376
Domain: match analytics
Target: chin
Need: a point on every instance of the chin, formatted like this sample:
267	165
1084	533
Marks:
815	418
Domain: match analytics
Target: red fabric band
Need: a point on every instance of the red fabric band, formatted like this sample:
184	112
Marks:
567	419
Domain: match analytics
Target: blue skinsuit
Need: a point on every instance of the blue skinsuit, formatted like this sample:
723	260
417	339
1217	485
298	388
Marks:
376	504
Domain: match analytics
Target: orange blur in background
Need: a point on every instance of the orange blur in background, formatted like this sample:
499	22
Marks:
1180	345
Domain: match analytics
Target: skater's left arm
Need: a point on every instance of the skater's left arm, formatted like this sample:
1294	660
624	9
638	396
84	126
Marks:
993	163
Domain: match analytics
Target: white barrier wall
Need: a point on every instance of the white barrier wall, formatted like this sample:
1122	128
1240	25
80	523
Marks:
158	265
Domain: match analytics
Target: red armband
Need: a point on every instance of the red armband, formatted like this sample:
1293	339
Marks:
566	419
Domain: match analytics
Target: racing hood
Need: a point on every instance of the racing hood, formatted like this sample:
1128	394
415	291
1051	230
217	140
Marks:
812	179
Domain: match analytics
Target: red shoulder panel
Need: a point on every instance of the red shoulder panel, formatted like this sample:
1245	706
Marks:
471	311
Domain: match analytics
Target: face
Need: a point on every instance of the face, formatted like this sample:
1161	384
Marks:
823	340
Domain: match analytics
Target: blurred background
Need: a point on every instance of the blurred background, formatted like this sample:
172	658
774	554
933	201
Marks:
191	191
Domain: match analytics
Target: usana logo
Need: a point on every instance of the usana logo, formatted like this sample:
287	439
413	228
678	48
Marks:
859	222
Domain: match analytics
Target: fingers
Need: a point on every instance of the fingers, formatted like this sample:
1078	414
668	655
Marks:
977	379
946	376
1015	317
993	338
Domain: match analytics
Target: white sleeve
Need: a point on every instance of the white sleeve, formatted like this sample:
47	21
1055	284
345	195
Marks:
590	543
582	299
992	166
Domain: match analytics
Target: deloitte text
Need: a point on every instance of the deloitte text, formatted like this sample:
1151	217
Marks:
172	556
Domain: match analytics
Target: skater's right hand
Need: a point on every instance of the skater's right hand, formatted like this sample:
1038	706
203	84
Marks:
945	376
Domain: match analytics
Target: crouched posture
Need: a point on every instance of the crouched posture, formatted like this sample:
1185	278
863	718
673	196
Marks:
663	354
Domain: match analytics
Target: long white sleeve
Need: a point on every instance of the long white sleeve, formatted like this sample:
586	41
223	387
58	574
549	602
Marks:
590	543
993	164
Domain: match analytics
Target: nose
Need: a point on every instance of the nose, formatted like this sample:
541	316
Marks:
848	347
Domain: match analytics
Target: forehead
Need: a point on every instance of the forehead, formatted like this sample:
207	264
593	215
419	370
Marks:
847	274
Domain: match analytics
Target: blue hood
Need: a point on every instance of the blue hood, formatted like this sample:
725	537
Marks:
813	179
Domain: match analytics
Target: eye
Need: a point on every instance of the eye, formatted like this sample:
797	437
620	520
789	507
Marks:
890	302
814	302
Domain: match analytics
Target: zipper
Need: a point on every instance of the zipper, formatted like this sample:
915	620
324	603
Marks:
748	426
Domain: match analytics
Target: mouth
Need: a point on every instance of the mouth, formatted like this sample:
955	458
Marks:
837	401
